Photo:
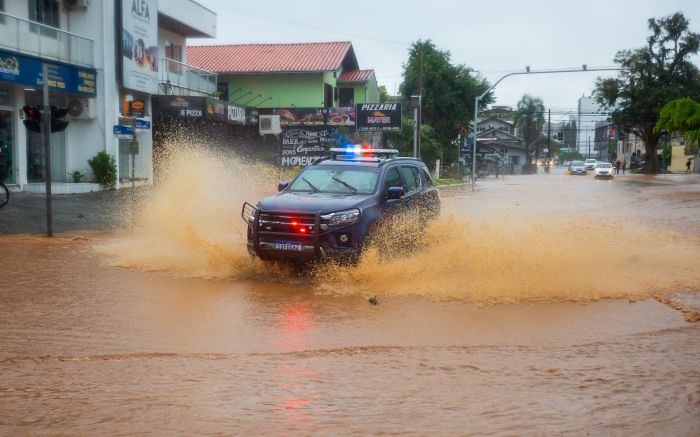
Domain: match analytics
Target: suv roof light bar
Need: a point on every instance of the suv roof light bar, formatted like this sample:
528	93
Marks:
357	151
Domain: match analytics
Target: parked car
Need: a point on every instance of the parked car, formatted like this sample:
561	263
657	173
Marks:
577	167
603	170
331	207
590	163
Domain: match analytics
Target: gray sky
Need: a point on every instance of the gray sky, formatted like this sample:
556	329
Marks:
493	37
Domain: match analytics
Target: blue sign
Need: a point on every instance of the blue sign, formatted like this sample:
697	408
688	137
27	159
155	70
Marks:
142	124
28	71
122	130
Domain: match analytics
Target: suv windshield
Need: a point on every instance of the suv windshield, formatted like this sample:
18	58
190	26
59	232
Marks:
604	165
340	179
590	161
576	164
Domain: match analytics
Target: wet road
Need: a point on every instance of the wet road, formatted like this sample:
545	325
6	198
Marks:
99	336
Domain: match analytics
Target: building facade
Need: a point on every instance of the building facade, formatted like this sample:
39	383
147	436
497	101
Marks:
589	112
302	75
102	57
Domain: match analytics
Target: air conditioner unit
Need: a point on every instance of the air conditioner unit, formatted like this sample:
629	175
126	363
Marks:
82	109
270	124
76	4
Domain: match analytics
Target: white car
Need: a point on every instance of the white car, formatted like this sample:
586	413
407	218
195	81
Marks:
577	167
590	163
603	170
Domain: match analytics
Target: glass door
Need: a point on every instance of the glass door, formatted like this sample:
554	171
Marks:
7	146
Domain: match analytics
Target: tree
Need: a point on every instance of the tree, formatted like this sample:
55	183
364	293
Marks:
403	141
448	93
383	94
652	76
681	116
529	121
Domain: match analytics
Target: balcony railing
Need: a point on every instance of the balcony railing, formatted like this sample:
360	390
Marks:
44	41
176	74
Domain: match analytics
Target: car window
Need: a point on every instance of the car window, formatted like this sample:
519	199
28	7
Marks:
392	179
427	180
410	178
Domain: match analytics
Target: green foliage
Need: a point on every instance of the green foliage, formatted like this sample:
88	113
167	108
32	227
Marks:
403	141
682	116
448	95
77	176
667	152
104	168
652	76
383	94
529	118
570	156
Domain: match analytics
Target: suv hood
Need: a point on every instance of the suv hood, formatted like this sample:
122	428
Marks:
312	202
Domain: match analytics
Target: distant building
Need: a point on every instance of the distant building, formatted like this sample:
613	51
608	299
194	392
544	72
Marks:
589	112
497	145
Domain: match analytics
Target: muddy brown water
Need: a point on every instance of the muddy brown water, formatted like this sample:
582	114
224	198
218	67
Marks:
536	317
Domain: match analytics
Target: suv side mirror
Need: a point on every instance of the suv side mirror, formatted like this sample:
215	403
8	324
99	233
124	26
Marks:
395	192
282	185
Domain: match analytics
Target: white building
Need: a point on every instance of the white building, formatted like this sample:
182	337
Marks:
100	54
589	112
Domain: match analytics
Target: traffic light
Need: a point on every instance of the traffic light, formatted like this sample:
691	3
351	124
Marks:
57	114
33	118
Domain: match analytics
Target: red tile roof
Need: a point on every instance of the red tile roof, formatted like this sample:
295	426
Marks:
270	58
356	76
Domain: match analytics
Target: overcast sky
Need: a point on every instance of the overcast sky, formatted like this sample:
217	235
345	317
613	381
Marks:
493	37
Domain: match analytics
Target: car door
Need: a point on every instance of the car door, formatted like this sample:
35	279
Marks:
392	178
412	185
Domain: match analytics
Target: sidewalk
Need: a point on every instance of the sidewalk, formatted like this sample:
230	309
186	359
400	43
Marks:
26	212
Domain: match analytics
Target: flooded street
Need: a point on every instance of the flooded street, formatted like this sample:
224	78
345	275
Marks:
541	305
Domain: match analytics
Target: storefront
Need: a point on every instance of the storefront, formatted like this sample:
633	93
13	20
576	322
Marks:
21	84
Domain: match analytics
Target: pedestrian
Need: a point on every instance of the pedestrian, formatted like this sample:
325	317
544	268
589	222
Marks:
624	166
687	165
617	166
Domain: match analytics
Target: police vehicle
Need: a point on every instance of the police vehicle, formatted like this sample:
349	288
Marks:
334	204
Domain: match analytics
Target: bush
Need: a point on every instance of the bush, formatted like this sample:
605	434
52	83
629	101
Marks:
104	167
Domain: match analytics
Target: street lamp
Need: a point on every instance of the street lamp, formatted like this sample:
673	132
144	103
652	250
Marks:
584	68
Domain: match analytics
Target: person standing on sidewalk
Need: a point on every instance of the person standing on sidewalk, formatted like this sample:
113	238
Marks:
624	166
617	166
687	165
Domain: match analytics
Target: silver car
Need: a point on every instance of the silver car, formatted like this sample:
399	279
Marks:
603	170
590	163
577	167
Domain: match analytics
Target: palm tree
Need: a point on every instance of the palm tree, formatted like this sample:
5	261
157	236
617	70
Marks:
529	120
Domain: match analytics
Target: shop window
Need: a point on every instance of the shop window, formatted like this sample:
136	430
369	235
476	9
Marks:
174	53
45	12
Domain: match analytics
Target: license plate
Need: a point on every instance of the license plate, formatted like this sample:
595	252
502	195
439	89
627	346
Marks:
291	246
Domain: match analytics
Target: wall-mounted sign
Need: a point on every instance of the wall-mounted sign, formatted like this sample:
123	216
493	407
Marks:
216	109
122	131
137	108
139	49
28	71
179	106
378	116
302	145
235	114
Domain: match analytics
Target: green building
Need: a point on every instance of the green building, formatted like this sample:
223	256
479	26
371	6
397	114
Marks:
287	75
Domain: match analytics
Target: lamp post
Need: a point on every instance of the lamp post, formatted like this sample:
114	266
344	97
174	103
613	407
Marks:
584	68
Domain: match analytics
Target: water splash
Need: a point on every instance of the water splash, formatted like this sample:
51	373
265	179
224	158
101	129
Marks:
189	224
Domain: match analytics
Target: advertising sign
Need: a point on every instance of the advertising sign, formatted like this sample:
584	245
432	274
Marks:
139	48
28	71
235	114
302	145
216	110
341	116
379	117
179	106
137	108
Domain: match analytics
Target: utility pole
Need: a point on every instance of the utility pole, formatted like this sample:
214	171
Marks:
420	99
589	144
47	149
549	138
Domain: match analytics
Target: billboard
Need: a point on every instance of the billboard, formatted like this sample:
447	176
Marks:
302	145
139	49
341	116
379	117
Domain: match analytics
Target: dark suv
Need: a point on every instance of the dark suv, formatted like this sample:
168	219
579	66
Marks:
332	206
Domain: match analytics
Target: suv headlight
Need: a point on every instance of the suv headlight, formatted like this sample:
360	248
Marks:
341	218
